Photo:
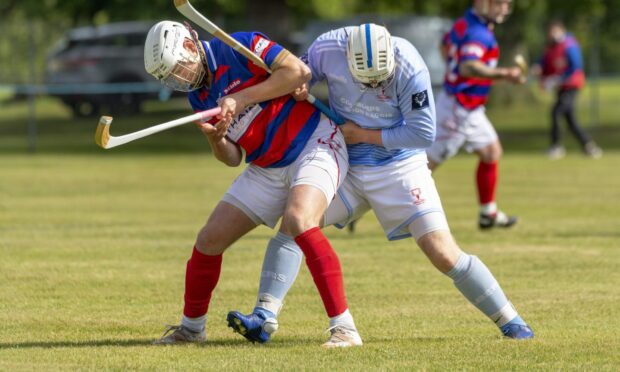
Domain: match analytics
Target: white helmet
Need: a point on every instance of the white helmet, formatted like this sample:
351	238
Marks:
167	59
370	54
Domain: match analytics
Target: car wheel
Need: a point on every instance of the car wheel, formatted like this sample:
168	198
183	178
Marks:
127	103
85	109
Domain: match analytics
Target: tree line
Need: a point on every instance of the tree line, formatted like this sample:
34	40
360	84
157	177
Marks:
592	21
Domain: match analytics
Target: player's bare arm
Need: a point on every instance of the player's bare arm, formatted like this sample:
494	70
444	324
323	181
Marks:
478	69
288	74
225	151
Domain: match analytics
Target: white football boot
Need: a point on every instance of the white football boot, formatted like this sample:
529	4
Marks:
179	335
343	337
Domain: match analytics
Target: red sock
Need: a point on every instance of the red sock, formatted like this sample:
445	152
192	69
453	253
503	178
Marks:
325	268
486	178
201	277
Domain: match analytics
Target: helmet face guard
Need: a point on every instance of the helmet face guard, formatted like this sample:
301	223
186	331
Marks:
186	75
167	58
374	84
370	55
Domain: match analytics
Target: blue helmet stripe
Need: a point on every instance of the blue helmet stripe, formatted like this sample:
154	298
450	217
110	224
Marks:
368	45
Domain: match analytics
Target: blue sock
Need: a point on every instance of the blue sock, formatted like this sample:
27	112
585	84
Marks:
280	268
474	280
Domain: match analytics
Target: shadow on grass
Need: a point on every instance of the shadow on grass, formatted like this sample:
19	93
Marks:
538	139
111	342
73	344
211	343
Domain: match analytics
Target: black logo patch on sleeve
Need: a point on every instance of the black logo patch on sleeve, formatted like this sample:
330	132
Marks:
419	100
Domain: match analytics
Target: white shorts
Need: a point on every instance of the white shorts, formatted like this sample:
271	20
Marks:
402	194
458	127
261	193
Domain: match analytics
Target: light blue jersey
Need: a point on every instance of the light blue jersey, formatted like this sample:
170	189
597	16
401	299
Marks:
403	108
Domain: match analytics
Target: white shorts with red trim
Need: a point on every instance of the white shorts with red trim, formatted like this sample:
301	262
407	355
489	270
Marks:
261	193
458	127
402	194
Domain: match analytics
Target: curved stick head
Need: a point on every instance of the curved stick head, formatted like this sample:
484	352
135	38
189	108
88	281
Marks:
102	135
521	63
178	3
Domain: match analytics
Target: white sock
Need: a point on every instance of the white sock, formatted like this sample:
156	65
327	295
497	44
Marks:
194	324
504	315
488	208
345	319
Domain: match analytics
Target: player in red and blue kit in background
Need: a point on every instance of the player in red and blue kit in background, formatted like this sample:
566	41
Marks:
297	160
472	54
561	68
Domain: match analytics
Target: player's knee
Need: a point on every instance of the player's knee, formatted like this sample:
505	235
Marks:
492	153
498	152
207	242
445	261
441	249
295	225
296	222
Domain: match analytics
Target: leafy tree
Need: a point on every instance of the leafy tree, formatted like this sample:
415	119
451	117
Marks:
594	22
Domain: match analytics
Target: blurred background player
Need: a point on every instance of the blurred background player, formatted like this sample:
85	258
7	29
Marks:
561	69
382	85
297	161
472	54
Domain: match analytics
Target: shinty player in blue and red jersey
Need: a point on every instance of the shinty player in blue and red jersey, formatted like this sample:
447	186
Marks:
561	68
297	159
472	54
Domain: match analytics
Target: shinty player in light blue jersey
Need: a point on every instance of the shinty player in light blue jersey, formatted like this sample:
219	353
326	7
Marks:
402	97
381	85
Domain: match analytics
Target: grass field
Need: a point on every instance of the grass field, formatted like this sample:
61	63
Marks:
94	245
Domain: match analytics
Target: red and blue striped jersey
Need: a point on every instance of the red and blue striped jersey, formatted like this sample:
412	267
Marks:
564	59
272	133
469	39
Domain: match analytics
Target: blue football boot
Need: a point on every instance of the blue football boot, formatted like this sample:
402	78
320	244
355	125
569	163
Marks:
517	331
252	326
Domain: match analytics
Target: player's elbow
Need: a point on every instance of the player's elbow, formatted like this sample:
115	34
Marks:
426	142
235	163
230	159
231	162
235	159
427	139
293	70
305	74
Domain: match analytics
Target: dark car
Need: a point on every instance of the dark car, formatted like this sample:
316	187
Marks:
425	33
82	65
